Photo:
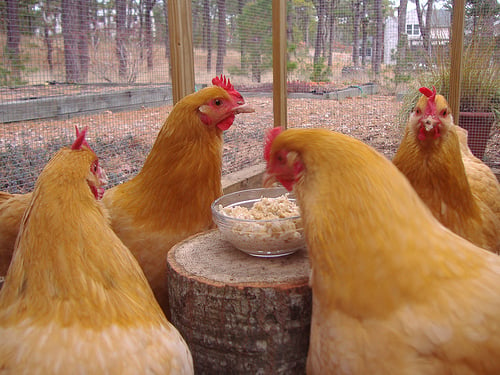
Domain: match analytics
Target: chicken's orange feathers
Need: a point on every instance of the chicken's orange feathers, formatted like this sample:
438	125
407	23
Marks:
271	134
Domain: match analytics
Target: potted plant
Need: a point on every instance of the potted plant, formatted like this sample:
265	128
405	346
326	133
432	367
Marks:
479	91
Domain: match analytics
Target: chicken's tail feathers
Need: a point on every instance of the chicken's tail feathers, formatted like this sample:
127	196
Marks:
271	134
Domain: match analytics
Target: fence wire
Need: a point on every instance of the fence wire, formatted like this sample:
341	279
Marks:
353	66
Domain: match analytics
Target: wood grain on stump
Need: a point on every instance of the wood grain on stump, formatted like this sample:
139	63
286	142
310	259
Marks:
240	314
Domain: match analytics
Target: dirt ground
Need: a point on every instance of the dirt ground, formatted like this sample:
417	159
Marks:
122	140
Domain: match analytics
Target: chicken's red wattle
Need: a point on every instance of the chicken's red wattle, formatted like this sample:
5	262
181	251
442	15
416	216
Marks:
422	134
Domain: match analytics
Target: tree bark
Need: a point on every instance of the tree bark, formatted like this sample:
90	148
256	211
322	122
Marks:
207	40
364	33
241	4
331	31
239	314
148	33
13	38
83	41
318	44
121	35
167	38
425	26
402	37
48	27
379	38
70	36
355	32
221	37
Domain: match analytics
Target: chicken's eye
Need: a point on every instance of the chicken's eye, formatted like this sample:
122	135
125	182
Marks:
218	102
418	111
444	112
93	167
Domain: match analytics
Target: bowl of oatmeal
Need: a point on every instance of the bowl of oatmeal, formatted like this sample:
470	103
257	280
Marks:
262	222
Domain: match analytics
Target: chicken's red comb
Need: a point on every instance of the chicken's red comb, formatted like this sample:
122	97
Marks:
223	82
80	139
271	134
431	94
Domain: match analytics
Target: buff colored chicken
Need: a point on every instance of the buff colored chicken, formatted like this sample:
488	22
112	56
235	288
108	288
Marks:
170	197
75	300
394	291
461	191
12	207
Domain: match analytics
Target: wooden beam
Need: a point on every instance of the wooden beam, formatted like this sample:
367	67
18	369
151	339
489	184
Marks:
457	42
279	63
180	25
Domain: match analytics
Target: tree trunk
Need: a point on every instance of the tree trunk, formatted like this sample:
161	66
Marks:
221	37
83	41
318	44
70	36
13	38
402	38
364	34
148	33
425	26
207	40
240	314
379	38
48	27
241	4
355	32
331	33
121	35
167	38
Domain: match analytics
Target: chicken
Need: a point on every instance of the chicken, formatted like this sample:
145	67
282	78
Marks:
170	198
394	291
12	207
75	300
461	191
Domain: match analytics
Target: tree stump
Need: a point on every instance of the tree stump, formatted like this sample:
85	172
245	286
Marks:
240	314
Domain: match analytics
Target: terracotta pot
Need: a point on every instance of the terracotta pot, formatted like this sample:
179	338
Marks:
478	126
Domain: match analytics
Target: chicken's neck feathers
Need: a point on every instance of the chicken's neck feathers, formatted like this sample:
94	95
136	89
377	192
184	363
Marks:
349	247
69	265
182	173
437	172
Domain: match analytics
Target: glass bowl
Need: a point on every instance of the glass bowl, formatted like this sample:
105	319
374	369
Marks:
260	237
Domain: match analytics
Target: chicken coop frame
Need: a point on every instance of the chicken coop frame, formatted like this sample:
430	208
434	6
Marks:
181	49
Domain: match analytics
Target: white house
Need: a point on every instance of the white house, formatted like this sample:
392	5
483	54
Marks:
440	29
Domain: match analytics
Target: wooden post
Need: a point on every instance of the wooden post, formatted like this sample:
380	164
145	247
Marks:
180	22
279	63
457	41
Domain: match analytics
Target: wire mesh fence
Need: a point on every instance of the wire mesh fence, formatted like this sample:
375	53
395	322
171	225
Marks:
353	66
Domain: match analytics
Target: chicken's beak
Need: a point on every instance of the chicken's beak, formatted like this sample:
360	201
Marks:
243	108
429	126
269	180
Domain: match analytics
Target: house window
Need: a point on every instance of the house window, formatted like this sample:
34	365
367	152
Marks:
413	29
